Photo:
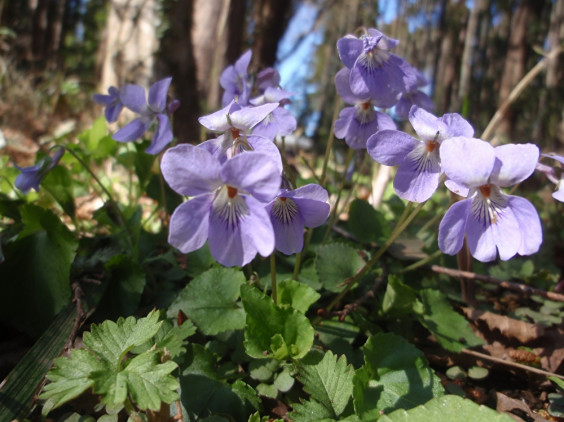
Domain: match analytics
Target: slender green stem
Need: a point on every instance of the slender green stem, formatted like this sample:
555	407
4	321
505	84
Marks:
428	224
299	255
421	262
401	226
111	200
334	214
330	140
273	277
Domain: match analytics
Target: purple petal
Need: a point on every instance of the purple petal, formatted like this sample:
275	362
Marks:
190	170
157	94
28	178
357	84
390	147
343	87
276	95
133	130
217	121
313	212
103	99
514	163
257	227
133	97
457	189
559	194
246	118
228	245
349	48
425	124
417	183
342	124
453	227
112	111
384	42
253	172
189	224
456	125
242	63
163	135
481	241
467	161
267	78
529	224
286	121
554	156
289	236
267	147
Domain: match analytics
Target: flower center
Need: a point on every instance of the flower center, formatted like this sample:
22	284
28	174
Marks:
229	206
488	206
486	190
235	133
364	112
284	209
431	145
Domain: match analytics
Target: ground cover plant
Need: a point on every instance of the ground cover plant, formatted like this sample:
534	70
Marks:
220	281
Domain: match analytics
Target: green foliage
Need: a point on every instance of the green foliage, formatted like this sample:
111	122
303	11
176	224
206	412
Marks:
366	223
395	376
36	270
336	262
210	301
329	383
272	331
447	408
107	368
296	295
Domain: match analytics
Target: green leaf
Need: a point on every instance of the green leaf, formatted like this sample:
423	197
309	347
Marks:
311	411
452	330
335	263
171	337
395	376
447	408
34	277
398	299
210	301
367	224
70	377
271	331
147	381
297	295
329	382
110	341
559	382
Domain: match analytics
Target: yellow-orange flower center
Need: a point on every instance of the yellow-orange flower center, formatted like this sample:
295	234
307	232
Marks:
486	190
431	145
235	132
365	106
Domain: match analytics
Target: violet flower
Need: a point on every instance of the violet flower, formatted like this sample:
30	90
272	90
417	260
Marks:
418	160
375	71
31	177
490	219
292	210
356	124
236	81
413	96
267	78
549	172
227	204
234	122
111	102
279	121
155	110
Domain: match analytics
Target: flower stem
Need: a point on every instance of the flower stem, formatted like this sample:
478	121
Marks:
334	214
111	200
330	141
273	276
421	262
400	227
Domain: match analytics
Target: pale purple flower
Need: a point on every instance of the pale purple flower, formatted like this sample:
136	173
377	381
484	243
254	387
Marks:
111	102
292	210
236	82
375	71
418	160
234	122
31	177
492	221
413	96
551	175
267	78
228	201
279	121
151	111
356	124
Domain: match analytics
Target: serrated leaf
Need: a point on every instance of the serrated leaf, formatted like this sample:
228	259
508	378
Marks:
147	381
210	301
297	295
111	340
271	331
70	377
335	263
366	223
452	330
329	382
395	376
311	411
447	408
171	337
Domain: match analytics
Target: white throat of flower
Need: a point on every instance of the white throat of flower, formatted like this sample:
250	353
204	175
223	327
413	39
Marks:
488	204
284	209
229	205
364	112
425	155
374	59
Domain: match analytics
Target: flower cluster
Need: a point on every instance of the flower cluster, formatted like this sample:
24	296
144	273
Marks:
234	180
